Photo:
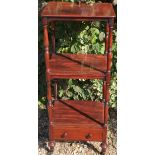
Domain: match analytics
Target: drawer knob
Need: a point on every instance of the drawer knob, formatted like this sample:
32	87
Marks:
88	136
64	135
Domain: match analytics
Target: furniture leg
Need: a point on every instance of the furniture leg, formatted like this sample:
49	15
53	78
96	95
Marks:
51	145
103	146
105	88
49	93
108	74
50	115
105	114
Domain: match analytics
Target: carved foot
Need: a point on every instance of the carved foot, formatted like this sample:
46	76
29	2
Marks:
103	146
51	146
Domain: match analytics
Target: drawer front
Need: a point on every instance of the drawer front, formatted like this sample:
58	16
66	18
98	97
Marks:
84	134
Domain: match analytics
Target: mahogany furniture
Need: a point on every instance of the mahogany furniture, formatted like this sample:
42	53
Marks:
71	120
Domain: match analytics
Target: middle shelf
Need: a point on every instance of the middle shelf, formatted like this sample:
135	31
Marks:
78	66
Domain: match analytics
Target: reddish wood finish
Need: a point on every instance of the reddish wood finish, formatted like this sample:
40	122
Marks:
77	120
78	113
84	117
53	37
46	43
86	66
50	114
79	133
106	37
73	11
109	61
104	97
55	89
49	95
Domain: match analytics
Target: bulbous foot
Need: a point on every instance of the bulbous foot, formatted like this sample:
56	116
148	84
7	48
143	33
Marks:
51	145
103	146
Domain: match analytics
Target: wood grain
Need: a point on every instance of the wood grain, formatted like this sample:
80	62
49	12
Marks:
77	120
74	11
78	113
79	134
75	66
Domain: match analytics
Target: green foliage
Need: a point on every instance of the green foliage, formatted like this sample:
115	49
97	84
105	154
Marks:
81	89
79	37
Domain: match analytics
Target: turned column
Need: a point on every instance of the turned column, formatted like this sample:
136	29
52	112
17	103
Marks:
103	144
108	73
106	83
53	53
53	37
105	80
49	93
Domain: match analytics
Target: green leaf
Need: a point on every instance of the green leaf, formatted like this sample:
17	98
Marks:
101	36
87	28
61	92
70	82
69	93
93	40
97	24
77	89
94	31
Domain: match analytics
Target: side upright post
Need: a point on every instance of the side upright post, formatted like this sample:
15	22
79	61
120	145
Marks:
53	53
53	37
109	63
106	83
49	93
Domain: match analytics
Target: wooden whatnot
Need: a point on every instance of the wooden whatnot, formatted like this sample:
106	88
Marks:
71	120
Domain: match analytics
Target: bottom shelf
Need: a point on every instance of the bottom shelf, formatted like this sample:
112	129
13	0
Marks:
78	113
78	120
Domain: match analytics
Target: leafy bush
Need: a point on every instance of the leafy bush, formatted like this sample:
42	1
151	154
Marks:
79	37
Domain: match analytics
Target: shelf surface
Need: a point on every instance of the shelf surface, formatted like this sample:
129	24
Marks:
75	66
76	113
63	10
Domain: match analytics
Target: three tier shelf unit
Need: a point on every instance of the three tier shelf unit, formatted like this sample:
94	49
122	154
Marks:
76	120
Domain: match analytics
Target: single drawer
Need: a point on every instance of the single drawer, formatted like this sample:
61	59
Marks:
84	134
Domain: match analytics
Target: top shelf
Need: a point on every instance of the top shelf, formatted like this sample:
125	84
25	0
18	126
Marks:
75	11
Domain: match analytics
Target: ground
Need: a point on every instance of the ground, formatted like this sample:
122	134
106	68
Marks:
75	148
